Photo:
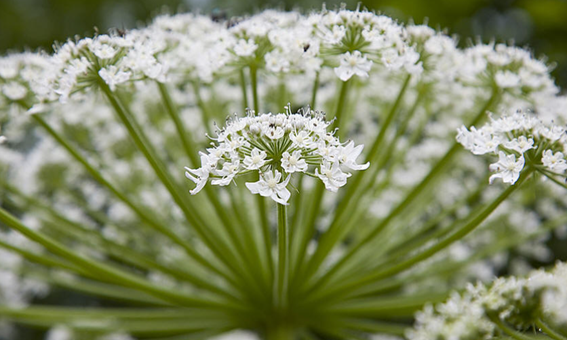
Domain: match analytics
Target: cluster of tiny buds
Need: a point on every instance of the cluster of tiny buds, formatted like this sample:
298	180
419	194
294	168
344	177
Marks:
276	146
517	139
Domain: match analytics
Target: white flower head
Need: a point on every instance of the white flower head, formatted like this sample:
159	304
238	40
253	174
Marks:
353	64
271	185
554	161
113	76
293	162
245	48
332	176
507	167
276	146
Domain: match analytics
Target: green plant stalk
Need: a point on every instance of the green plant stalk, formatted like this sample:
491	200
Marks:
252	249
306	230
134	327
448	269
109	273
411	242
182	133
384	306
356	181
548	330
122	252
205	116
254	85
335	232
283	260
199	335
508	330
437	169
99	289
219	247
279	332
372	326
341	102
220	210
427	253
313	101
141	212
260	203
244	92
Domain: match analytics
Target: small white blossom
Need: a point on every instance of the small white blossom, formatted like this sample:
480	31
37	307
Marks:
113	76
245	48
272	144
353	64
506	79
508	169
256	160
270	185
293	162
349	153
332	176
14	91
554	161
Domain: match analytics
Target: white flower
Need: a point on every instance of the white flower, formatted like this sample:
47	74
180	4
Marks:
103	51
202	174
229	170
508	168
293	162
283	142
269	185
245	48
113	76
332	176
14	91
554	161
348	155
520	144
506	79
353	64
301	139
256	160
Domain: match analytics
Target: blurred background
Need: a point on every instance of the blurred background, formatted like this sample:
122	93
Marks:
539	24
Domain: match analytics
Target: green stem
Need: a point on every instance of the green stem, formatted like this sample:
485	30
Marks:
220	210
508	330
206	117
121	252
280	332
306	230
314	92
283	253
548	330
141	212
427	253
215	244
334	235
108	272
341	105
190	149
244	92
254	84
335	232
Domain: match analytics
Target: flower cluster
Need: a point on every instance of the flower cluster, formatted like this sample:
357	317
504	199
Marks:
482	310
276	146
90	167
518	138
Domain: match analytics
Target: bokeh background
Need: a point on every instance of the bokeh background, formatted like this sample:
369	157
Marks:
36	24
539	24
